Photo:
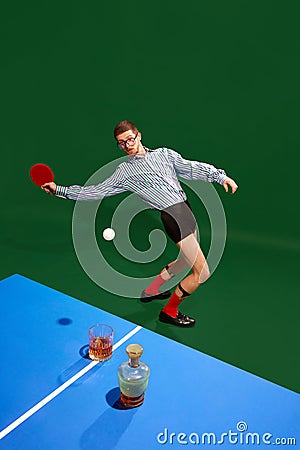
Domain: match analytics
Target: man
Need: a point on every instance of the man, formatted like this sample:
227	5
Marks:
153	176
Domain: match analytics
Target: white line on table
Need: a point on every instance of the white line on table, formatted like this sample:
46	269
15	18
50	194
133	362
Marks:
61	388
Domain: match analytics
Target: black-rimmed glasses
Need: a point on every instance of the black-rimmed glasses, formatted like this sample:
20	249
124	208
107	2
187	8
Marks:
130	141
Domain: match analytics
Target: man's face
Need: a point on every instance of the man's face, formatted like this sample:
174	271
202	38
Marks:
129	142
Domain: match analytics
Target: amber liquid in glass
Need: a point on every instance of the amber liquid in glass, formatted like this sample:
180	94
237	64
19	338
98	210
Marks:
100	348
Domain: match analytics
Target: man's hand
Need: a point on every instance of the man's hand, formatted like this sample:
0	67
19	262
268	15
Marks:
231	183
50	188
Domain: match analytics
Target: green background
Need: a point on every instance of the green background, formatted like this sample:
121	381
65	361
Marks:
217	81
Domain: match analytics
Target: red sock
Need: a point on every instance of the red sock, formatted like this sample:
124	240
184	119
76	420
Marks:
171	307
155	285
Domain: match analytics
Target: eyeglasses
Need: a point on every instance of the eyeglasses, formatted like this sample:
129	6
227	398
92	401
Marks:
130	141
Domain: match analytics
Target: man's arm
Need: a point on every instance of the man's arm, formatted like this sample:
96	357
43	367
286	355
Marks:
195	170
111	186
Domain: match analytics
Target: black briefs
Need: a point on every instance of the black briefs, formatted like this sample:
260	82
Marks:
178	220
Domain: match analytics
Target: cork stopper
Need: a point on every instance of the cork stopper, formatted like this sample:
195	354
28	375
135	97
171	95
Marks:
134	351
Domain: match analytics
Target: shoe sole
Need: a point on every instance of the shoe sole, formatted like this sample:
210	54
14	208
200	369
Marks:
177	324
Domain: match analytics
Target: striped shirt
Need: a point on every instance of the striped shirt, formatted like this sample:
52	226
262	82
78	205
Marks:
153	177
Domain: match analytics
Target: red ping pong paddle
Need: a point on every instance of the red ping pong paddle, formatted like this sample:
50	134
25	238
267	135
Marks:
41	174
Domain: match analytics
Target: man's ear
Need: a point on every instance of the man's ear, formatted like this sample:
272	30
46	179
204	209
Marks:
140	135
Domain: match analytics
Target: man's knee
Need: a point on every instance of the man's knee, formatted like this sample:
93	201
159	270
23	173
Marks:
202	275
205	274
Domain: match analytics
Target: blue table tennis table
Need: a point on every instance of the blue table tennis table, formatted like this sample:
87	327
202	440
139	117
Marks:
54	397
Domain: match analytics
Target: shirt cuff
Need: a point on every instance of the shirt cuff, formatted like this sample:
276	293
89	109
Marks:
221	177
61	191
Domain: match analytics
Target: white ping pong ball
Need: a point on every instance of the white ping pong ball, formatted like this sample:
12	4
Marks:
108	234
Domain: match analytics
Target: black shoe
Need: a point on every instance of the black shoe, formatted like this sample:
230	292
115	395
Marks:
149	297
181	320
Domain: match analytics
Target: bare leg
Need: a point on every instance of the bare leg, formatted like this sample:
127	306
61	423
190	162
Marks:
174	268
193	254
178	265
190	256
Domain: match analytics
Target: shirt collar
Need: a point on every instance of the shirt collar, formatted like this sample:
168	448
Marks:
132	158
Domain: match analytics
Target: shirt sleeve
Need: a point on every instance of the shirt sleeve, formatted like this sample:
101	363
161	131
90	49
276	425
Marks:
195	170
111	186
